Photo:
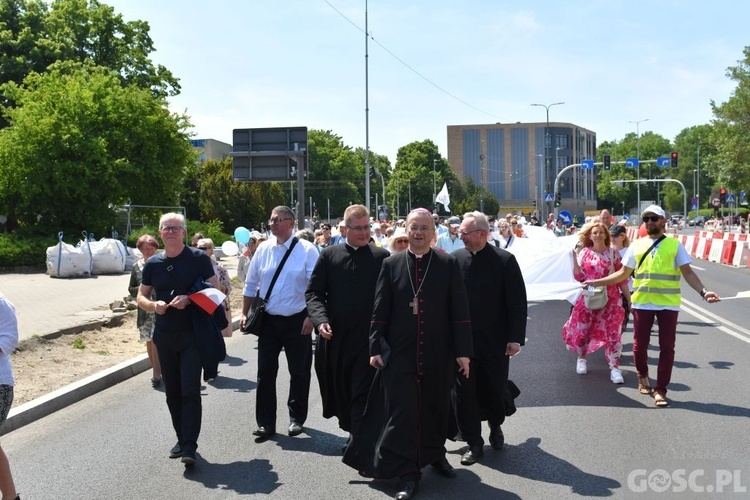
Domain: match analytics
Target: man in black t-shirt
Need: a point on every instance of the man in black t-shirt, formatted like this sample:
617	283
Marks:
171	275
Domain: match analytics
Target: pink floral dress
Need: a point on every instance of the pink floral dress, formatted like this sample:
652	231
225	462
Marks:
586	331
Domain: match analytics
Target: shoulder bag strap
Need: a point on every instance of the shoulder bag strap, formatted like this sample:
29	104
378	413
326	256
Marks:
278	269
175	278
643	257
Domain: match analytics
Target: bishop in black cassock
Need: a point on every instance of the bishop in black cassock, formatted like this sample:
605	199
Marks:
420	327
341	293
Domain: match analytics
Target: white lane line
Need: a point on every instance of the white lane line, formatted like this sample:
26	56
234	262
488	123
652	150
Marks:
725	325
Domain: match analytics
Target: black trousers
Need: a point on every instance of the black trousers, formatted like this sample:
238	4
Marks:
181	372
280	332
468	413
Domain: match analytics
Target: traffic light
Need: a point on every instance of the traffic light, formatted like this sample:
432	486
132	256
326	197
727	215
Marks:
533	202
723	196
607	162
558	199
673	159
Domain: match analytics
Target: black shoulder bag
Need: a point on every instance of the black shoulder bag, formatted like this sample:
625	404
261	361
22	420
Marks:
254	319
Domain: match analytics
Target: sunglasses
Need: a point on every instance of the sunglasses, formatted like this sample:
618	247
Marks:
653	218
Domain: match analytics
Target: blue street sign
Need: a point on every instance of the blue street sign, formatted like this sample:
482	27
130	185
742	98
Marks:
663	161
548	197
730	198
565	216
694	206
631	162
587	165
626	216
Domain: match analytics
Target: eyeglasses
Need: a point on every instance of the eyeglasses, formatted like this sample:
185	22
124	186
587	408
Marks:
464	233
359	228
402	240
171	229
653	218
276	220
514	223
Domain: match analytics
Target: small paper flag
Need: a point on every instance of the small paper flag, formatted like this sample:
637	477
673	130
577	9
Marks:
208	299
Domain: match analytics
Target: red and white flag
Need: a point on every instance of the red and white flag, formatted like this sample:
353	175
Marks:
208	299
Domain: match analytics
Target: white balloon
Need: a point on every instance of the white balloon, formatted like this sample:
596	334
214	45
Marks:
230	248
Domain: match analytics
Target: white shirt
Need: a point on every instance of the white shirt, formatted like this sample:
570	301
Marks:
444	242
8	339
288	294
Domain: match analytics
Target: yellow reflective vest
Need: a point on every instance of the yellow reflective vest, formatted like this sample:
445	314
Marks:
656	281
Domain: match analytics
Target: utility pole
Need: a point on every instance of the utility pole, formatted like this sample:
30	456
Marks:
481	182
638	155
546	176
434	185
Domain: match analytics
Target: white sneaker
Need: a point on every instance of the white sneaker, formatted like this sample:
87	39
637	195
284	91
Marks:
616	376
581	367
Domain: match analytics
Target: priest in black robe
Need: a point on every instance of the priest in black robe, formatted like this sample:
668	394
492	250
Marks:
497	300
340	298
420	335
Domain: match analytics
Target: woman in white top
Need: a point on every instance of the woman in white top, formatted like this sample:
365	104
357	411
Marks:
507	238
8	342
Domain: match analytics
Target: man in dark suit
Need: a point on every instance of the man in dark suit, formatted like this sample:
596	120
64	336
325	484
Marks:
497	300
340	297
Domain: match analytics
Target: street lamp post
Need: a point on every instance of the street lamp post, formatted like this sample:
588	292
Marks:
638	155
434	184
698	176
545	170
541	189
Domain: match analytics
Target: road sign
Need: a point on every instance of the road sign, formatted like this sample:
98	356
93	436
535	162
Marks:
631	162
626	216
587	165
716	203
730	198
268	154
565	216
549	198
664	161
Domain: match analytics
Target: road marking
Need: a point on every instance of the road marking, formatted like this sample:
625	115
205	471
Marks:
725	325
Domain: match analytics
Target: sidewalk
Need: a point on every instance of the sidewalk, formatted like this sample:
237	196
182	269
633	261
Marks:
51	307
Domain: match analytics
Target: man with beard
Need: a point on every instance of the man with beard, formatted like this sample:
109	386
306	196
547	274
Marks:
658	263
497	301
420	333
340	296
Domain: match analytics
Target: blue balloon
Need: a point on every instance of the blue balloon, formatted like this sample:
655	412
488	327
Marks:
242	235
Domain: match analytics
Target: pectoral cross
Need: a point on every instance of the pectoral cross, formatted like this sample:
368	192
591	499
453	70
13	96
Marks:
414	306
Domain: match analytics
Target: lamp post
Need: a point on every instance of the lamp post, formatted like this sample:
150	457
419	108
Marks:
545	170
638	155
698	177
434	184
541	188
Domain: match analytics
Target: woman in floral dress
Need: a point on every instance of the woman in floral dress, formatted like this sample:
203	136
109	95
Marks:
586	331
225	282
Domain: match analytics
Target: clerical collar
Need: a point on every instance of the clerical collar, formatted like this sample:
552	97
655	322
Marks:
418	255
352	246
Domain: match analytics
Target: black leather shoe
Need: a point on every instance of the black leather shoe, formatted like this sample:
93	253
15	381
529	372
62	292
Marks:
176	451
264	431
407	490
473	455
295	429
188	458
443	468
497	439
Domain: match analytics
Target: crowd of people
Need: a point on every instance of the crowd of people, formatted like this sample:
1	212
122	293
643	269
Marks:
413	325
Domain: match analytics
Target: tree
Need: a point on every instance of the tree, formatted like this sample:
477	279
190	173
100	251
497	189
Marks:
731	164
335	172
233	203
81	144
412	177
34	35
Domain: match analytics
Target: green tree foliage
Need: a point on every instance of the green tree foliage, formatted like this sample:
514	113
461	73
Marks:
232	203
34	35
468	196
413	175
731	163
80	143
335	173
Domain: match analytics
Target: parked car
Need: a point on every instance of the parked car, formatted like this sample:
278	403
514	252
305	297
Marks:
697	221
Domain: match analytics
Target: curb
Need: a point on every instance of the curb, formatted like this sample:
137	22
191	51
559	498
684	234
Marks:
78	391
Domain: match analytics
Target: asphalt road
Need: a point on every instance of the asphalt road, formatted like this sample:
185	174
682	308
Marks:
573	436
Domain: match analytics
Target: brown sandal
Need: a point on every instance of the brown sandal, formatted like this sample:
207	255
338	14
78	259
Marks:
660	399
643	385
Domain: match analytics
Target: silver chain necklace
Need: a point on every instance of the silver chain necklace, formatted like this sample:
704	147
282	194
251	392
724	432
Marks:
413	304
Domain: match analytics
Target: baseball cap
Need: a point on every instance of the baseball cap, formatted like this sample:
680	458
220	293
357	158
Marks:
617	231
654	209
454	221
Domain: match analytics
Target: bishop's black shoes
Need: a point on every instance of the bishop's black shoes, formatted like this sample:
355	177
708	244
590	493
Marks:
407	490
295	429
497	439
264	432
176	451
473	455
443	468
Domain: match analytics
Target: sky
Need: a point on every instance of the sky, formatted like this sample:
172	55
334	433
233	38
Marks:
434	63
